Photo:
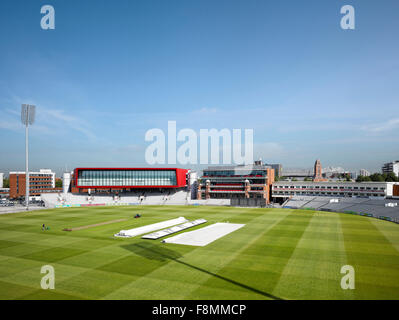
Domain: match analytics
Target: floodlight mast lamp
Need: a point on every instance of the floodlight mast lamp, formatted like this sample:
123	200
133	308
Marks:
27	118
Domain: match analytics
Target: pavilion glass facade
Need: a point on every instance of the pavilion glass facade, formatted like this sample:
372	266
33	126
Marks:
126	178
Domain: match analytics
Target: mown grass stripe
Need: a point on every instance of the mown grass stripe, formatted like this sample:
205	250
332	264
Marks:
181	262
389	230
313	271
288	235
372	281
258	259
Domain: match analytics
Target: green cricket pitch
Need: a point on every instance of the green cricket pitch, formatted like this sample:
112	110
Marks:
278	254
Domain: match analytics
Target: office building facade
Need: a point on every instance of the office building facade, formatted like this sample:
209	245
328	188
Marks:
227	182
39	182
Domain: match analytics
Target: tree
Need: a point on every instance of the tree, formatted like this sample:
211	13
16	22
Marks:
58	183
347	177
391	177
6	183
377	177
363	179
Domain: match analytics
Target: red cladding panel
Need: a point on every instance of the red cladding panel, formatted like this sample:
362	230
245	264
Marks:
180	178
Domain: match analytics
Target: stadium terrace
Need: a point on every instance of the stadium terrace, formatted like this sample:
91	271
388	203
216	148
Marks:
241	185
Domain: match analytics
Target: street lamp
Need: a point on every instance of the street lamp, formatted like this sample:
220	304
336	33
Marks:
27	118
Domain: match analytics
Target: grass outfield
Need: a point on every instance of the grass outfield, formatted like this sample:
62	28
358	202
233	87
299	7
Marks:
279	254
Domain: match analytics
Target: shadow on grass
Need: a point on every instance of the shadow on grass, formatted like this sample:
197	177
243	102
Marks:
151	251
160	253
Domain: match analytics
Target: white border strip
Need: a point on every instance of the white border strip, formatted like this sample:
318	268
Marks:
204	236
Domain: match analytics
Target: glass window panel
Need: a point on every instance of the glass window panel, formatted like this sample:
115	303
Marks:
109	178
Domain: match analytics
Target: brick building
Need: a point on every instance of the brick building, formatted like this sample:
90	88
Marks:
39	182
317	177
228	182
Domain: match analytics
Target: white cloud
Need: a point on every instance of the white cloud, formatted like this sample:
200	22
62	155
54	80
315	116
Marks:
206	110
47	120
383	126
11	125
14	124
13	111
51	115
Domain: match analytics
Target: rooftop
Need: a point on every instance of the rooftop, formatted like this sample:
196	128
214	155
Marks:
238	168
332	183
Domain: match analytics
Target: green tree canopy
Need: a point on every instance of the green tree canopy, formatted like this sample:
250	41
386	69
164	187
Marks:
6	183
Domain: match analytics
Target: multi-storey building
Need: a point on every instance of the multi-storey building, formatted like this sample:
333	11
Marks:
391	167
243	181
364	173
4	192
278	168
39	182
114	180
287	189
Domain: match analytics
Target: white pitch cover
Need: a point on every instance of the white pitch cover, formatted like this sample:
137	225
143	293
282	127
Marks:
149	228
204	236
180	227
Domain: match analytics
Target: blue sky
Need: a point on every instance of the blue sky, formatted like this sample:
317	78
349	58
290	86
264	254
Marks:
111	70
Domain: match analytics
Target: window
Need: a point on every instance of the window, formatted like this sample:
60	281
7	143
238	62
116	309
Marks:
123	178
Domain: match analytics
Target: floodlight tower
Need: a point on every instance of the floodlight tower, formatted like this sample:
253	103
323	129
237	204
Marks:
27	118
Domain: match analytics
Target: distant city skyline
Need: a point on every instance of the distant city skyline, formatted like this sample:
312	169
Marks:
107	74
60	171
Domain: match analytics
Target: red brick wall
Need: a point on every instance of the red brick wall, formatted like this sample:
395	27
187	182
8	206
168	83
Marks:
18	186
14	191
395	191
